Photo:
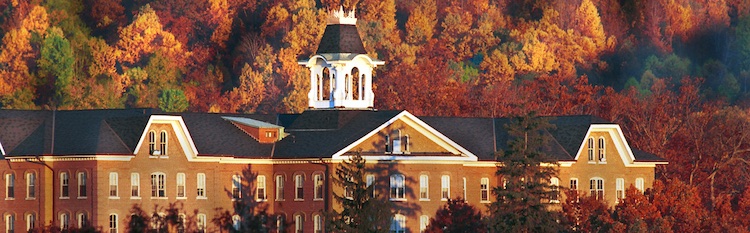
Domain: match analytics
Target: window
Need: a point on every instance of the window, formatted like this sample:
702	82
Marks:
113	184
591	149
406	143
201	185
10	186
279	187
620	189
445	187
318	180
201	224
424	220
82	185
464	189
388	143
64	185
317	224
152	143
280	223
299	221
639	184
135	185
260	188
371	184
596	186
554	196
30	221
163	142
64	221
236	186
10	223
181	223
602	157
299	193
83	220
424	187
158	185
30	185
398	224
181	185
113	223
484	187
236	222
397	142
574	184
397	187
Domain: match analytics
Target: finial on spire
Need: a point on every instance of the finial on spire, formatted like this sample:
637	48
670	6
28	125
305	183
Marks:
342	17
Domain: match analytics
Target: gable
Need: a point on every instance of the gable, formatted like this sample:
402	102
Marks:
423	143
175	126
616	146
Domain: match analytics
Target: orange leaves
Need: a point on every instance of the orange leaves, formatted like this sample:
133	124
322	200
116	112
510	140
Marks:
420	26
145	36
37	20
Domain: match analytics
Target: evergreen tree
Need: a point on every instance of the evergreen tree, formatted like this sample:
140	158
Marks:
361	209
521	205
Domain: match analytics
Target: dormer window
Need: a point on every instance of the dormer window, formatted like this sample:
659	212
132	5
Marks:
163	142
270	134
151	142
591	150
601	155
397	142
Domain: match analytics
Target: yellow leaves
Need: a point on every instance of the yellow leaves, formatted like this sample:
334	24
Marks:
277	21
145	35
221	17
37	20
497	67
14	71
420	26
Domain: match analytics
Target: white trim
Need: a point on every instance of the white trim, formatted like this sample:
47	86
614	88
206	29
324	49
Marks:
2	151
620	143
419	125
180	130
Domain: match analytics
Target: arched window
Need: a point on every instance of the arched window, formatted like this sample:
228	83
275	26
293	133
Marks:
317	223
236	222
64	185
406	143
602	157
201	224
299	223
397	187
398	224
82	183
280	223
10	223
151	142
554	183
591	149
163	142
326	84
64	221
83	220
596	187
135	185
113	223
318	187
30	221
10	186
424	188
356	84
424	220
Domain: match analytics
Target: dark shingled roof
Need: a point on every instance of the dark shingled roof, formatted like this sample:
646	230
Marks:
472	134
341	38
214	135
316	133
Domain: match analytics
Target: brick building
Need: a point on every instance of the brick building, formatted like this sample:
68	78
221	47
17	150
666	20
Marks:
73	168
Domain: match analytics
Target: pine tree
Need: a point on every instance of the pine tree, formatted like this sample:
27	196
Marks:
361	209
520	206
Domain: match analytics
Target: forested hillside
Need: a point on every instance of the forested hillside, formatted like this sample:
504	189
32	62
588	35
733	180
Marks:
673	73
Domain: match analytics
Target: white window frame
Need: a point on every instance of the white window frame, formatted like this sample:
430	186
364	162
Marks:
64	221
158	185
280	187
639	184
10	223
424	221
318	185
445	187
30	221
181	186
299	187
201	186
370	179
82	185
484	190
10	186
82	219
152	142
398	224
31	181
398	187
573	184
260	188
236	222
591	143
113	222
299	223
113	186
620	189
201	222
424	187
163	142
407	140
596	188
464	189
135	186
554	183
64	185
602	150
396	142
317	223
236	187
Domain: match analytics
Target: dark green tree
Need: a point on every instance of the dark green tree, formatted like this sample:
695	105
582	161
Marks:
521	205
361	208
56	64
456	216
173	100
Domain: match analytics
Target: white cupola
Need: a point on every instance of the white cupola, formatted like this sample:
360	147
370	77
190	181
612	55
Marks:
341	70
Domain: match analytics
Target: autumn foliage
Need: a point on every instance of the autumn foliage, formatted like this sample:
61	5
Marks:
673	73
